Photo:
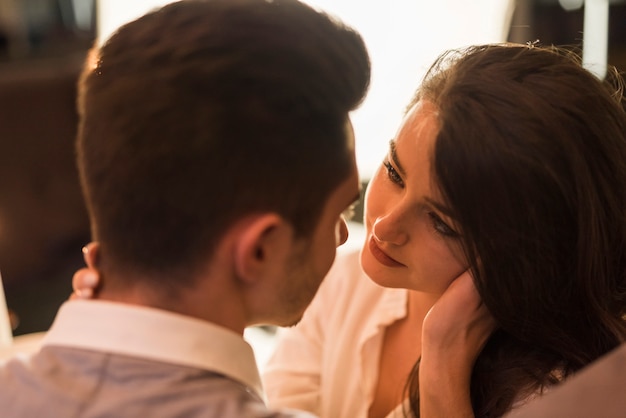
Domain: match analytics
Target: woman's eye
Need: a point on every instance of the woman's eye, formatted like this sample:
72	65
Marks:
393	174
441	227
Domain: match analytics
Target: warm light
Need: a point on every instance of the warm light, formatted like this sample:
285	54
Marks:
114	13
6	331
595	36
93	56
570	5
403	37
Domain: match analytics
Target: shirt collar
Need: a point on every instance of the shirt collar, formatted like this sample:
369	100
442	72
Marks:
155	334
391	307
394	304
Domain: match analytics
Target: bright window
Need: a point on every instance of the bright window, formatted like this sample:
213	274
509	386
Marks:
403	37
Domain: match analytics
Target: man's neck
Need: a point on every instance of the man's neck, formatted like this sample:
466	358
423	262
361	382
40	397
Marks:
217	304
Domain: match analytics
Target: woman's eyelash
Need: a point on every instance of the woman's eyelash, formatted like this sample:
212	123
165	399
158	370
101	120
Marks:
393	174
438	224
441	227
350	212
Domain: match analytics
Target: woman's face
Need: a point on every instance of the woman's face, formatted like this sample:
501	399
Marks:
411	242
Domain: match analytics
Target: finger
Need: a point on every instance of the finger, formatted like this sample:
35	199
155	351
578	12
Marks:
85	280
82	294
463	290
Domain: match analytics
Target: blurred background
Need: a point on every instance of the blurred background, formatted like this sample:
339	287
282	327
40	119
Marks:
43	223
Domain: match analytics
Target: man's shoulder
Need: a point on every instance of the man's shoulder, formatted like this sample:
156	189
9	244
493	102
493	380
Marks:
88	383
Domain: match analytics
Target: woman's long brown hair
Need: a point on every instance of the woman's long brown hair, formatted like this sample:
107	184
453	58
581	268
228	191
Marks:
531	156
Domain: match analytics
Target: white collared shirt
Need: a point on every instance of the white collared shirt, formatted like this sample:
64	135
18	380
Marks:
103	359
154	334
328	363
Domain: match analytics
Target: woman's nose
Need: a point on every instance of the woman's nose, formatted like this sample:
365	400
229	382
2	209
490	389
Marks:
388	228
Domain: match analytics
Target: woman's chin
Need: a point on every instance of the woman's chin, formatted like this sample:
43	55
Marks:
380	274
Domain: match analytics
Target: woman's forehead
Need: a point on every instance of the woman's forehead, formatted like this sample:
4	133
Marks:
419	128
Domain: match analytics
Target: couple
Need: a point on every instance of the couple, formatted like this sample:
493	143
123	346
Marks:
217	156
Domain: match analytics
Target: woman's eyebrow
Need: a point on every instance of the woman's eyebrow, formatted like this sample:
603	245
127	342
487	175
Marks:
440	207
394	156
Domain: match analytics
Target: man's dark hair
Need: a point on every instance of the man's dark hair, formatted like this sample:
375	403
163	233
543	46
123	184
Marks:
202	112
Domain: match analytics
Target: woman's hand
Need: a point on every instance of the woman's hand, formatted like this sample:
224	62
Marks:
454	332
86	280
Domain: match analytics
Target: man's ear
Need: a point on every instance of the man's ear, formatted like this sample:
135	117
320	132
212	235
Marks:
262	246
90	254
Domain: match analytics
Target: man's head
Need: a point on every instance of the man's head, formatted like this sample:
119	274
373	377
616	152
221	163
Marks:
204	113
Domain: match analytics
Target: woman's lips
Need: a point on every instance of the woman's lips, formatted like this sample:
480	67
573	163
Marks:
381	256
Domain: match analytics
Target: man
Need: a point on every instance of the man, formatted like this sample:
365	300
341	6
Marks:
216	157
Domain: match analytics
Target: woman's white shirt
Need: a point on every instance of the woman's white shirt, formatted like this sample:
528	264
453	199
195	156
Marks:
328	363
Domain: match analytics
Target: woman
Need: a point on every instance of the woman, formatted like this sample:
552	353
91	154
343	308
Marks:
510	164
509	173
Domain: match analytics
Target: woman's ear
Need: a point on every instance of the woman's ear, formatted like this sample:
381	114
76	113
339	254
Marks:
262	247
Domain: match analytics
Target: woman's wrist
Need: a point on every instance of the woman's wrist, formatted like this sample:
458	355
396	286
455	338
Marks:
444	386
